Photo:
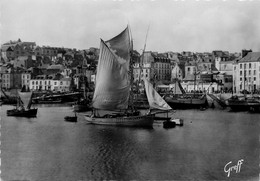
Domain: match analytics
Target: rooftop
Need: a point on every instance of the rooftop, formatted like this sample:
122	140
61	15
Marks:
251	57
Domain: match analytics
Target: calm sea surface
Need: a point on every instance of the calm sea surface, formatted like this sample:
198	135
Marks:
47	148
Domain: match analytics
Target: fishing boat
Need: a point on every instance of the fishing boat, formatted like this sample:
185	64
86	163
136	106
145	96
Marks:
113	96
71	118
23	107
244	103
185	100
179	99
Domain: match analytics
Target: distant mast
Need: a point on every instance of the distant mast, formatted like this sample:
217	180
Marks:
142	57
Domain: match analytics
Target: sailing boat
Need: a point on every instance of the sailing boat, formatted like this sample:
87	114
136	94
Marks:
23	107
184	100
113	96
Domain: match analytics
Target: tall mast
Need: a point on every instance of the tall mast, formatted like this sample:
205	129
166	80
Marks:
142	56
131	94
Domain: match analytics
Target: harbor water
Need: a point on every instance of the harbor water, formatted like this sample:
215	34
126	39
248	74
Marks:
212	145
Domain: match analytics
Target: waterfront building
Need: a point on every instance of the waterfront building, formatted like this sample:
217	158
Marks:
190	70
61	85
247	73
26	77
209	87
11	79
154	67
176	72
51	83
6	80
162	68
144	68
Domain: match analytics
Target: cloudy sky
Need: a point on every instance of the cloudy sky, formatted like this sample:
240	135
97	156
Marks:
190	25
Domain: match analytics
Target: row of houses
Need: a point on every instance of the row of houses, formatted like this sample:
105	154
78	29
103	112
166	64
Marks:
14	49
223	73
237	75
54	78
230	72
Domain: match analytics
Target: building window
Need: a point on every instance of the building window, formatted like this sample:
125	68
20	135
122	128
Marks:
244	65
254	72
249	72
250	65
240	66
240	72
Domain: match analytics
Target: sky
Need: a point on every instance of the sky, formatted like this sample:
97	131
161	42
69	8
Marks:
170	25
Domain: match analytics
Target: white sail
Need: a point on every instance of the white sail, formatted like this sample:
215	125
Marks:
154	99
112	82
121	46
26	98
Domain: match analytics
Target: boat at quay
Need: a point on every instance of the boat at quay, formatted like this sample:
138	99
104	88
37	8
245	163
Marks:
187	101
244	103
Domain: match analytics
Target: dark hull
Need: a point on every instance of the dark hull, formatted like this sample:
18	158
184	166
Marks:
191	103
48	102
145	121
22	113
244	106
70	119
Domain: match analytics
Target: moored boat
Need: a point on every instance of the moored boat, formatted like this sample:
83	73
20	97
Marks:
244	103
71	118
23	107
186	101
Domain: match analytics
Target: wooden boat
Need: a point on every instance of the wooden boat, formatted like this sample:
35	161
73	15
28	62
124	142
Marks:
187	101
49	101
243	103
172	123
24	100
71	118
113	97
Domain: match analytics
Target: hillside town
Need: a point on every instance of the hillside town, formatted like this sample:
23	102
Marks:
58	69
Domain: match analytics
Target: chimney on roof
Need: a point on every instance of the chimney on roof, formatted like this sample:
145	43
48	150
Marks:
245	52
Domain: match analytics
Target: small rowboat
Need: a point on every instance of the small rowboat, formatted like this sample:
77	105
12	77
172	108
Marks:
71	118
172	123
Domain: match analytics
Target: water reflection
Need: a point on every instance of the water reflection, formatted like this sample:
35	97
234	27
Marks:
48	148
